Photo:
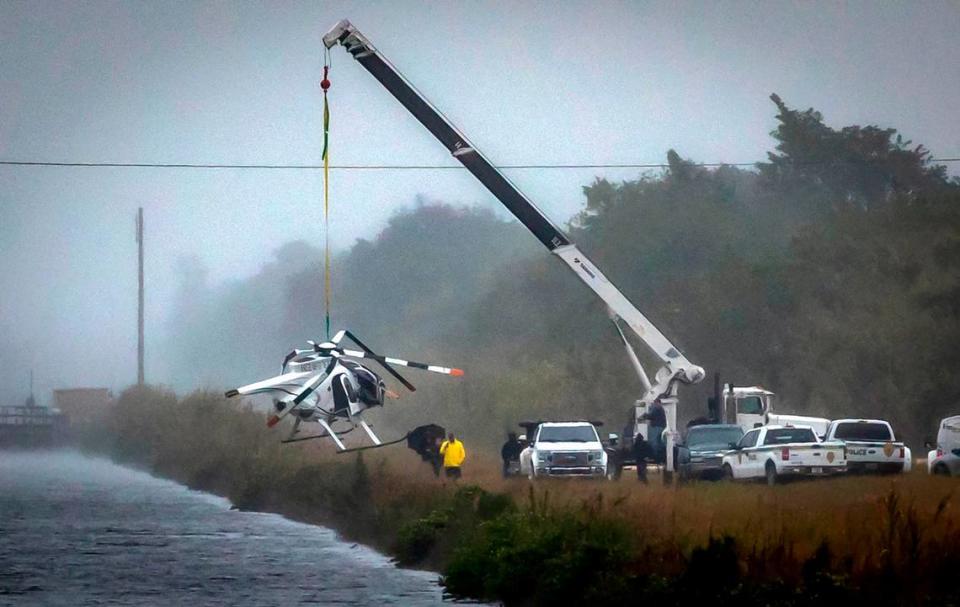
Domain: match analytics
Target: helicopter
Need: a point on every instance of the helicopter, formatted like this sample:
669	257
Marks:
323	385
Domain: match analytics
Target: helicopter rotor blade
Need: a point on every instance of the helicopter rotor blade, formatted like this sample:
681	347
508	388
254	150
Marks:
404	363
308	388
368	353
287	359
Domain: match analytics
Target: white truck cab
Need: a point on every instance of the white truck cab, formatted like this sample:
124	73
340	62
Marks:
774	452
871	445
752	406
564	449
945	459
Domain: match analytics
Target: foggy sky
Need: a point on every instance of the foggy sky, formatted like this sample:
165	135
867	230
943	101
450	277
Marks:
236	83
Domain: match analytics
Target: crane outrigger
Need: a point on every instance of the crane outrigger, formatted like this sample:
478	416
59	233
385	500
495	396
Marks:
675	368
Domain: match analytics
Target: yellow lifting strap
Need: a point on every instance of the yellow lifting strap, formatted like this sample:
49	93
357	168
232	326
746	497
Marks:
325	84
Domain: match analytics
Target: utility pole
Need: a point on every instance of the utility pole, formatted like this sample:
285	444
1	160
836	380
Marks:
31	401
140	298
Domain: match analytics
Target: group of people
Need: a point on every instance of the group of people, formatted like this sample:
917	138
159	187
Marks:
448	455
654	448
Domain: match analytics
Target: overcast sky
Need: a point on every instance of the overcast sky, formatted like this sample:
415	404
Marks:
571	82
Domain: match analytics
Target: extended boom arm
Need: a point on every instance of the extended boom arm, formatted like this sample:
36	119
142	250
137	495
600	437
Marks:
675	367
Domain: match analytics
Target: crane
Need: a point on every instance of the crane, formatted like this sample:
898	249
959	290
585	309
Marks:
675	368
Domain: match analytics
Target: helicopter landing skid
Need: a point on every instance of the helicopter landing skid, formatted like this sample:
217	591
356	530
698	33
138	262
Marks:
324	434
339	451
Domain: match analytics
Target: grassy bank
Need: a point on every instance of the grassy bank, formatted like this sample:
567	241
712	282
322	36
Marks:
892	541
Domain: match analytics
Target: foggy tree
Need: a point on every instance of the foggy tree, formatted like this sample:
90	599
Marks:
830	275
864	165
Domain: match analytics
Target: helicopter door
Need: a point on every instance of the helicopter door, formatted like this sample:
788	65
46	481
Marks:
343	396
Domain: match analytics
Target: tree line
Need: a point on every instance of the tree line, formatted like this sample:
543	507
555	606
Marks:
829	274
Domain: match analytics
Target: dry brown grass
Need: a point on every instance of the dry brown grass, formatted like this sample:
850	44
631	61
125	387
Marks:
904	529
847	511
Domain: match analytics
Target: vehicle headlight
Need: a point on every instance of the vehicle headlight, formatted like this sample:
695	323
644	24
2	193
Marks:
544	456
595	456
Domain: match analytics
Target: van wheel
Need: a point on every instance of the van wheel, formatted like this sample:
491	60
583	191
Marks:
941	470
771	473
727	472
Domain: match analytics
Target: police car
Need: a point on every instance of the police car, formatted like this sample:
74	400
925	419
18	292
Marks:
772	453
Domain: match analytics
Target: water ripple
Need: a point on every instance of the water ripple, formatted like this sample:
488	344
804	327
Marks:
82	531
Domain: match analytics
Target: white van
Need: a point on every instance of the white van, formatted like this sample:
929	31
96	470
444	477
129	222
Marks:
945	459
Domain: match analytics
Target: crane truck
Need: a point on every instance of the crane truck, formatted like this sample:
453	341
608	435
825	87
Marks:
675	368
752	406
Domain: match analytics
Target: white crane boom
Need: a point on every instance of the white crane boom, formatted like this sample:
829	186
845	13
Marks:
675	366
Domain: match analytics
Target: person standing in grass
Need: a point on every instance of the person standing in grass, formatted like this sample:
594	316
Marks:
510	452
641	451
453	455
657	420
436	458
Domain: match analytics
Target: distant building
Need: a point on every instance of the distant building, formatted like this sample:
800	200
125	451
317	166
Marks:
30	425
82	405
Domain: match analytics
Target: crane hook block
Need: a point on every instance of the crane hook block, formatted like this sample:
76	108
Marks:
325	83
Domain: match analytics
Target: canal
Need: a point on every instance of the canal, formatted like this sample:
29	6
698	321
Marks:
81	531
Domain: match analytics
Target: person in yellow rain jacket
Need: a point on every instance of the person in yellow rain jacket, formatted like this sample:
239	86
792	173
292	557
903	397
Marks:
453	455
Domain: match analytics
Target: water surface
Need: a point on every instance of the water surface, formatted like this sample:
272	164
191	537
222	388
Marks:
82	531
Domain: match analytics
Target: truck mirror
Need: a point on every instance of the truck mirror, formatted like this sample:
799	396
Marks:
928	443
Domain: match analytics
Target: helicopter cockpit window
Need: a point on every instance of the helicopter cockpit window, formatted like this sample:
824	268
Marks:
371	388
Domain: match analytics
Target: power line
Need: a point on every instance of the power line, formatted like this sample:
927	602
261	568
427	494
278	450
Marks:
403	167
347	167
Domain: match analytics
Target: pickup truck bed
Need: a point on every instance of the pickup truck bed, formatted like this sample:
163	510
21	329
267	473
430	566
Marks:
871	445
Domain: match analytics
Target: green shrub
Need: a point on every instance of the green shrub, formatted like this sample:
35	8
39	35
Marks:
558	557
417	539
449	524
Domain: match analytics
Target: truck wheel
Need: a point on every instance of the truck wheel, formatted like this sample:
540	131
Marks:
727	472
941	470
771	473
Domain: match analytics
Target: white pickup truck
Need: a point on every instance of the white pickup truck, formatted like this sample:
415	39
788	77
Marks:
774	452
945	459
564	449
871	445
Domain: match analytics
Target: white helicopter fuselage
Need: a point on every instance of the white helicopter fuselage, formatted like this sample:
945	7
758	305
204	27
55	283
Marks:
323	385
343	392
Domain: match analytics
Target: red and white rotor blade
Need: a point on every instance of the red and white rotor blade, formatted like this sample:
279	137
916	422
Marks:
404	363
